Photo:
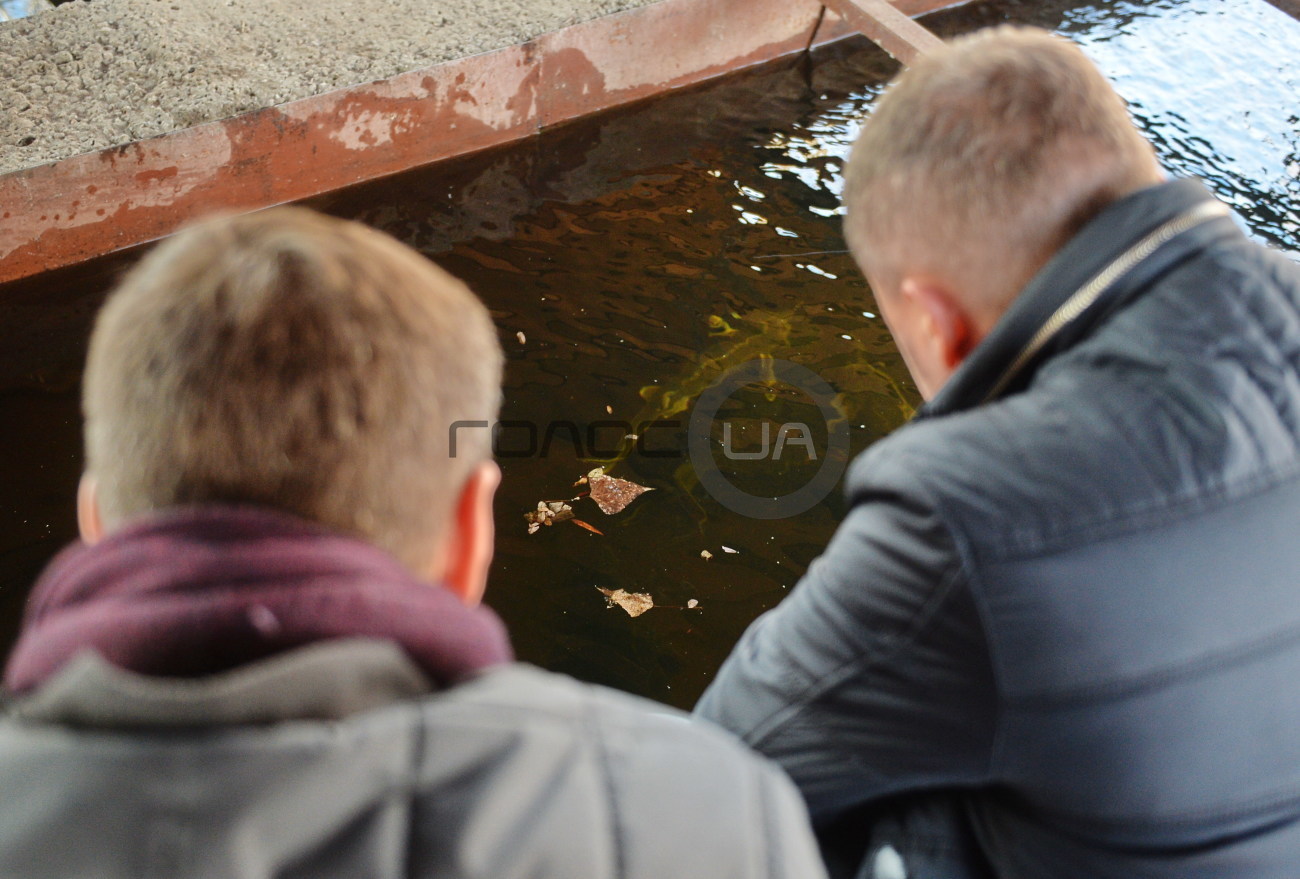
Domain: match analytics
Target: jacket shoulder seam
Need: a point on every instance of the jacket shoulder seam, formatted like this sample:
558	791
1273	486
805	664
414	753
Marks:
967	565
1164	510
591	723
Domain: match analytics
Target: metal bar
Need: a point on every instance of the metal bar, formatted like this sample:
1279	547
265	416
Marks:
887	27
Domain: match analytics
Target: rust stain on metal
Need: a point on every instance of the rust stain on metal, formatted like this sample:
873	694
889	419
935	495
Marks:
664	46
147	177
89	205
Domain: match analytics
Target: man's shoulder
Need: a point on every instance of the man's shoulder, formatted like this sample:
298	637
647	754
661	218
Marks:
1074	455
650	756
529	701
515	771
576	755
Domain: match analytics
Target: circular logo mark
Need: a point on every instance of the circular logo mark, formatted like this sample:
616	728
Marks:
700	440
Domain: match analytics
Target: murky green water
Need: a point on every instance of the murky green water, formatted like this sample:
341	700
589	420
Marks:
630	261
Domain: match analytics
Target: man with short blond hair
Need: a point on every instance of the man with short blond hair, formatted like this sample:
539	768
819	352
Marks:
268	657
1013	137
312	366
1055	635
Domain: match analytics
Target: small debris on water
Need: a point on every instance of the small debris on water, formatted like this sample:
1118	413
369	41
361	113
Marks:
592	528
523	340
635	603
705	554
692	604
547	513
730	550
609	410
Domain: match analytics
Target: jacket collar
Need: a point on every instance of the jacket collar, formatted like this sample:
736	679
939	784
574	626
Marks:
197	591
1115	257
329	680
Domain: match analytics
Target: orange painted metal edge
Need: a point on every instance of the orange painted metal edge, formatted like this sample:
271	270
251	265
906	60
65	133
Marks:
89	205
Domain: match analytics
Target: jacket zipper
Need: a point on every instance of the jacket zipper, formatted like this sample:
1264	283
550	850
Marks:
1083	298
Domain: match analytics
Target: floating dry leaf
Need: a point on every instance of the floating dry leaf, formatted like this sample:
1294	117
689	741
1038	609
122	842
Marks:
592	528
705	554
547	513
692	604
609	410
635	603
730	550
523	340
610	493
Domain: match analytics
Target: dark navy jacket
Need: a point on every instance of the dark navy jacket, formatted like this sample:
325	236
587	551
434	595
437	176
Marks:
1071	586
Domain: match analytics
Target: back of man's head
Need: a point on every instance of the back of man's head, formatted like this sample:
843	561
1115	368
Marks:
984	157
293	361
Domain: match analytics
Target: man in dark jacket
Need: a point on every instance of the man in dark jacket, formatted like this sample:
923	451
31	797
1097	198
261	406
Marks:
268	658
1059	630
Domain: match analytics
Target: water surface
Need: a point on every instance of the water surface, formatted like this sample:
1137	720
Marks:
629	261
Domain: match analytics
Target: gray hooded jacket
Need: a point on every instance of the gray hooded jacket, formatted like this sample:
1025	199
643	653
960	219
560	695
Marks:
336	760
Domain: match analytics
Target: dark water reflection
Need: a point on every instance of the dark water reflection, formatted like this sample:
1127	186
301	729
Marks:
640	257
629	261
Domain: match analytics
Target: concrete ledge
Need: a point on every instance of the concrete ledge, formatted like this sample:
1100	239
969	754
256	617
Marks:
58	214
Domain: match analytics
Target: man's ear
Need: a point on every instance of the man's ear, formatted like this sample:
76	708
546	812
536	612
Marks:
949	329
89	521
471	537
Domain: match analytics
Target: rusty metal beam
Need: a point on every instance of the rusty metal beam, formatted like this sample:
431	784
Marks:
886	26
89	205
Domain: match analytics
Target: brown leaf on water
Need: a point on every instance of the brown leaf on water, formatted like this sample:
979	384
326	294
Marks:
635	603
612	494
592	528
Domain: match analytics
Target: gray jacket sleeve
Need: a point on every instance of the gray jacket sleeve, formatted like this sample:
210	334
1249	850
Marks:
873	677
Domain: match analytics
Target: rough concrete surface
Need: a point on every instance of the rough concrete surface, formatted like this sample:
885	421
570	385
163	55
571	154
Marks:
99	73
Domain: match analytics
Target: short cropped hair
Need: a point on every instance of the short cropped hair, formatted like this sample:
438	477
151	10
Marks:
294	361
985	156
